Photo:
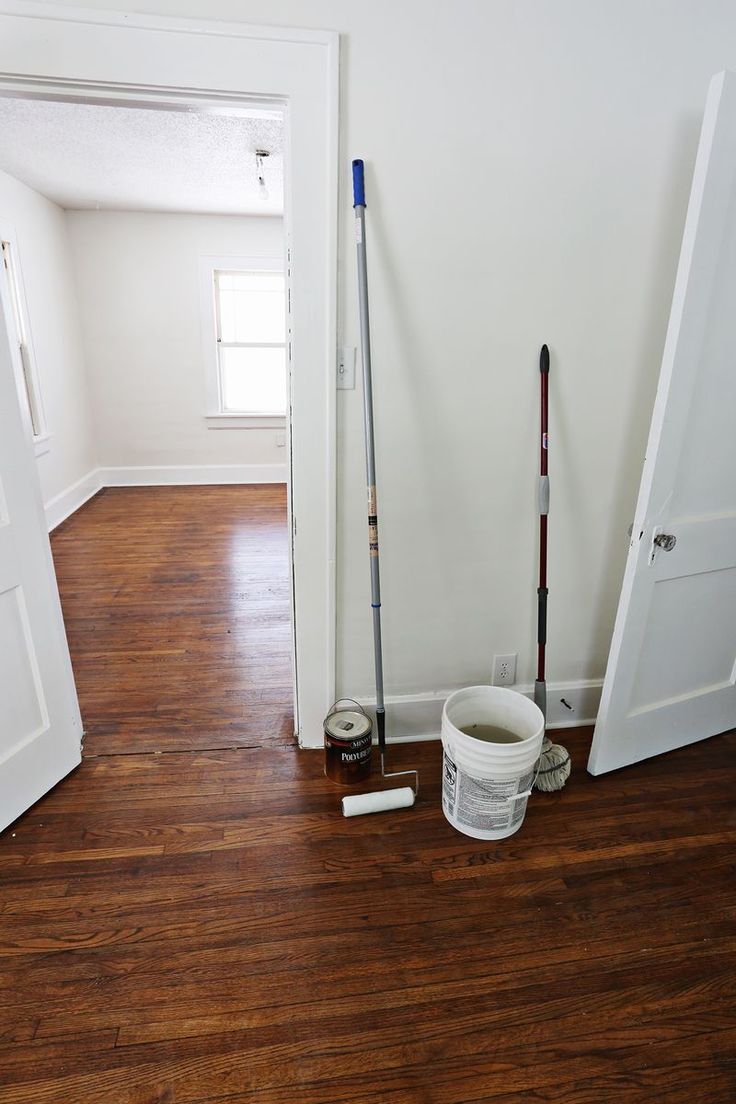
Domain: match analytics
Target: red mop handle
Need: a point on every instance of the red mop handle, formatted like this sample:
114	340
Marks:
543	510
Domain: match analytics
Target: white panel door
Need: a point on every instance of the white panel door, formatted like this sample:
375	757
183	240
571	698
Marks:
40	726
671	677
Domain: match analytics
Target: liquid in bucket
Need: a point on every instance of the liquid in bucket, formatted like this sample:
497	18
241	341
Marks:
492	734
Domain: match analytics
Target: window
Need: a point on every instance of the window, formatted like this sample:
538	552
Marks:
17	320
249	344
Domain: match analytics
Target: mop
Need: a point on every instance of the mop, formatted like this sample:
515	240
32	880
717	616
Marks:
554	763
403	797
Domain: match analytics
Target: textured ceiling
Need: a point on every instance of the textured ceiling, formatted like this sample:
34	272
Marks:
136	159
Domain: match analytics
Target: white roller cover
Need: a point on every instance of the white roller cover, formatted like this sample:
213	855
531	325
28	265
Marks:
380	802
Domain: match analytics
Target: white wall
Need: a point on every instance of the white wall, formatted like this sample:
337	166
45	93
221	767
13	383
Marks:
43	251
529	164
138	286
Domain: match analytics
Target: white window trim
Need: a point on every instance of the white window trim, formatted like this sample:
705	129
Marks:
208	265
41	439
245	421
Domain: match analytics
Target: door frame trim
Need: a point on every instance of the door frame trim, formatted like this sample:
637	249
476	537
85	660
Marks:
313	621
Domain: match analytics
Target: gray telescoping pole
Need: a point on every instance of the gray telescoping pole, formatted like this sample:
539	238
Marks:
370	453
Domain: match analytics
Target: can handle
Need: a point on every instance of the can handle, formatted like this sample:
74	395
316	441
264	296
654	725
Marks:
333	707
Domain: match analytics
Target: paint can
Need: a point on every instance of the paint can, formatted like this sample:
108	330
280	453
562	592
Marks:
348	743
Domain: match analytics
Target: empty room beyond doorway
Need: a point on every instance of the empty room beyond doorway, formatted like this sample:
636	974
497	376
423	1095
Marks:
175	580
176	605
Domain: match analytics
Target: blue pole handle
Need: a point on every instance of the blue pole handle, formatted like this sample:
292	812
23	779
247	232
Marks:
358	184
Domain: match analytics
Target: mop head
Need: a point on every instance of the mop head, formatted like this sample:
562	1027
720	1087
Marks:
554	767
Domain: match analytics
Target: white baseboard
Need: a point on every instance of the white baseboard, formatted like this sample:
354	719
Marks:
196	474
67	502
61	506
416	717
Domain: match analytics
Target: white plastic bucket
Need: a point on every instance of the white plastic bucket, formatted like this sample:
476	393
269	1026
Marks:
485	786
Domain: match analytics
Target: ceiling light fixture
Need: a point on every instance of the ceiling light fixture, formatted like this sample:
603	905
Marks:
261	155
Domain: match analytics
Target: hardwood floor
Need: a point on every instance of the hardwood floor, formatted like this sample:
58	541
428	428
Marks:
176	604
206	927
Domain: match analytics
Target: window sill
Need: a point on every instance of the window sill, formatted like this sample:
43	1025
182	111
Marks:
42	444
245	421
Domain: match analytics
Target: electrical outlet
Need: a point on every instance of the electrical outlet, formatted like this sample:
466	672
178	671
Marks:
504	670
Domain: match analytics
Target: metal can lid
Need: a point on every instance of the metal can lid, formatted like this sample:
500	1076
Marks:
347	724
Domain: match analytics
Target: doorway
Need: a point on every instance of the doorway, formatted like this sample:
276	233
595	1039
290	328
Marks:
188	65
176	598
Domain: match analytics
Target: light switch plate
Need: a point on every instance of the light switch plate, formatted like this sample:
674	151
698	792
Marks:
346	368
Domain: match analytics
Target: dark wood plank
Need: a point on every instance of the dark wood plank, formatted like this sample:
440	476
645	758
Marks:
205	928
176	604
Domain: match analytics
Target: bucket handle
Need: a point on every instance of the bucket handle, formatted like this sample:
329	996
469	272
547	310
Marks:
333	707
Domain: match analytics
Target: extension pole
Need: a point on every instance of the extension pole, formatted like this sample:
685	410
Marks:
405	796
370	451
540	686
